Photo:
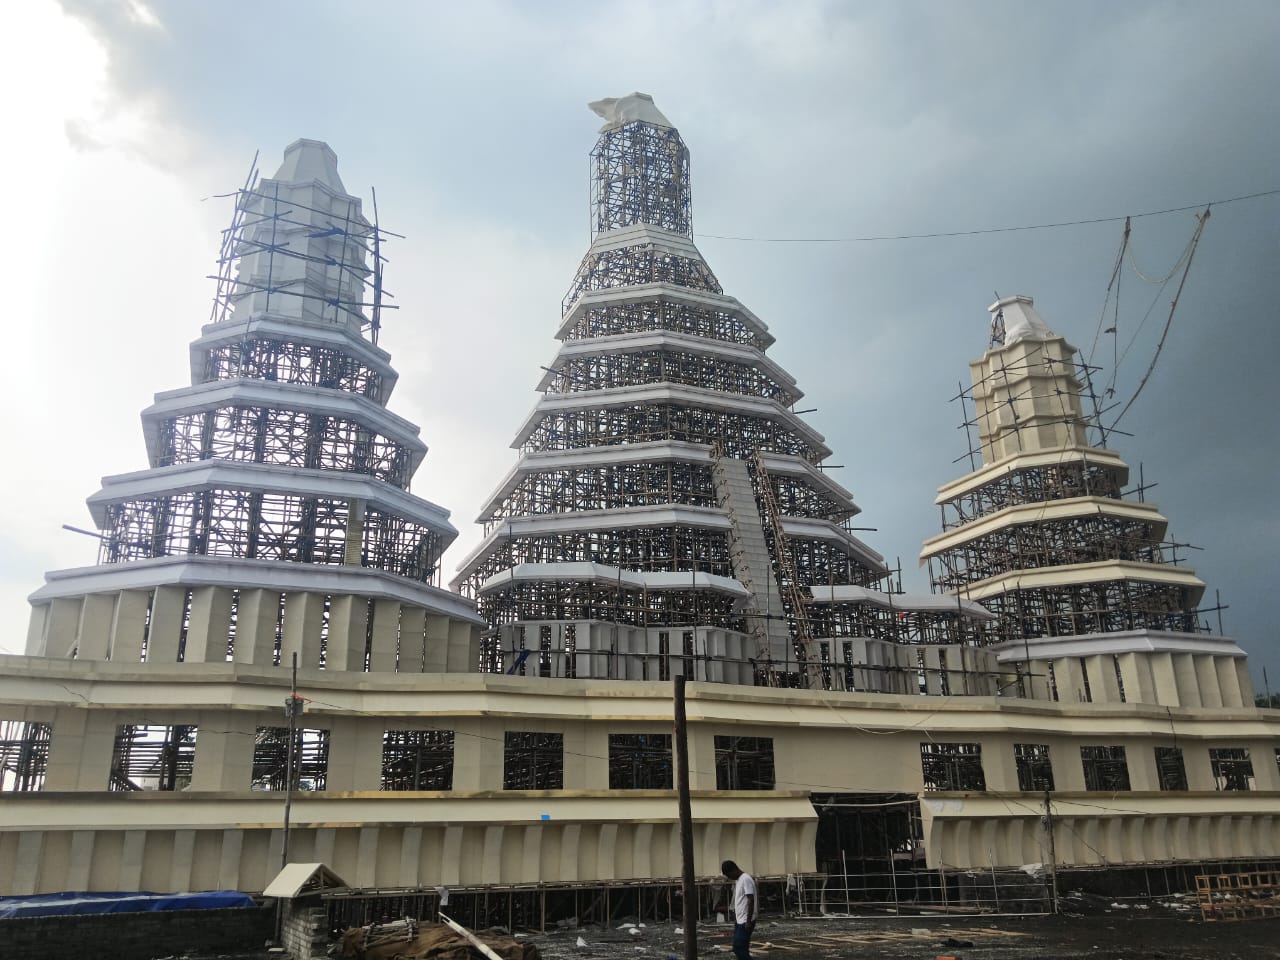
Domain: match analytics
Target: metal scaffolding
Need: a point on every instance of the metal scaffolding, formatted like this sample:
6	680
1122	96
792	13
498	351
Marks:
289	386
1028	413
658	368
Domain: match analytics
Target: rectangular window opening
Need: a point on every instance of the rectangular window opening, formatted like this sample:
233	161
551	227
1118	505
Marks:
417	760
744	763
952	766
1232	768
24	755
533	761
152	757
1105	768
271	759
1170	768
640	761
1035	772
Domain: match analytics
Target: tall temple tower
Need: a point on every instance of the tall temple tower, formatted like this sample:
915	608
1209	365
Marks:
1093	605
669	512
275	516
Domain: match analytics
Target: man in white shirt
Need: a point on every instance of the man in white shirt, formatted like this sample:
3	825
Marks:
745	908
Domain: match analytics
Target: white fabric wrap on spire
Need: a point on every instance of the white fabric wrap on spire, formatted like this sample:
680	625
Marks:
634	106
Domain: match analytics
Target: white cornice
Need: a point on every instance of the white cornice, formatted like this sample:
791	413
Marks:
672	340
1070	508
673	515
545	461
339	338
287	396
1083	573
269	478
1128	641
241	574
614	576
637	293
669	393
1023	461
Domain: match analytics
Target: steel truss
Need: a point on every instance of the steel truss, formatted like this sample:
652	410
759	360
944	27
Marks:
915	627
657	313
641	264
647	483
659	548
742	434
24	755
269	526
292	438
640	174
1048	543
294	362
151	757
271	762
417	760
1107	606
583	601
602	370
1060	481
611	486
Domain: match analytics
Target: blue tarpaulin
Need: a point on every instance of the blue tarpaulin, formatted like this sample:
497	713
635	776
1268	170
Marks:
65	904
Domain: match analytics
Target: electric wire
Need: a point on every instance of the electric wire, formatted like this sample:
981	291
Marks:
990	230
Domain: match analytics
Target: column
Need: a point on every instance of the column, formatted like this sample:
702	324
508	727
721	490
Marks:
256	618
386	634
209	625
348	620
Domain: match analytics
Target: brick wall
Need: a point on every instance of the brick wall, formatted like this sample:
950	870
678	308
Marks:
137	936
304	929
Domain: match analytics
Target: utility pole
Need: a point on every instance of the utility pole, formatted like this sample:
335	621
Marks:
689	892
1053	854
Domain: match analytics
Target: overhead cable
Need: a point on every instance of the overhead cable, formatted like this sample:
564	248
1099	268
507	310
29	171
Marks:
970	233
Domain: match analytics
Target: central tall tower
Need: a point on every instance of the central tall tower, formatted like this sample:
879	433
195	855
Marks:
668	512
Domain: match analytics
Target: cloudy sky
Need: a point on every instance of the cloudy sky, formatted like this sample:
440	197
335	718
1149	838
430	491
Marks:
806	121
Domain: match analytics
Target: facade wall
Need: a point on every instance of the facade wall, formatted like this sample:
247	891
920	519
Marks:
214	831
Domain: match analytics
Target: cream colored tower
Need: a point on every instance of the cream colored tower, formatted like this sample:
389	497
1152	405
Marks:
1091	606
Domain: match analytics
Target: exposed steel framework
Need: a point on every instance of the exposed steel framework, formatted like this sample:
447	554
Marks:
659	367
1042	395
292	342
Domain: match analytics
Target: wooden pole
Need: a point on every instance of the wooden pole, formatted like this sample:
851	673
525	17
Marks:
688	889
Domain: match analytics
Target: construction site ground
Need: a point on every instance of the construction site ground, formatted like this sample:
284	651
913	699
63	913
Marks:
1091	927
1122	934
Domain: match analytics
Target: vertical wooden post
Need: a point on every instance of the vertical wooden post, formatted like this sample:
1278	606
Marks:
688	889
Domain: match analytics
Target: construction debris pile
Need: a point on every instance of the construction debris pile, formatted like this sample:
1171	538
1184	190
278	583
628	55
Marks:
410	939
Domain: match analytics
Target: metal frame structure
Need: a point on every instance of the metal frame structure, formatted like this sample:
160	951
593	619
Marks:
281	451
1045	502
660	367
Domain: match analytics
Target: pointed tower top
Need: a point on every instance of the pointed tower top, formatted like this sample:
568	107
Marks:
640	170
618	111
1015	318
308	160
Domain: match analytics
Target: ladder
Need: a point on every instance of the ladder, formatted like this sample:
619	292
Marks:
743	568
802	631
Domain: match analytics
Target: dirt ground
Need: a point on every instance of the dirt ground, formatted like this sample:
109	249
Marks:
1091	927
1105	935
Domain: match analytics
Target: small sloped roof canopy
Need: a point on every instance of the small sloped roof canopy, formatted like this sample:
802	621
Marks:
299	879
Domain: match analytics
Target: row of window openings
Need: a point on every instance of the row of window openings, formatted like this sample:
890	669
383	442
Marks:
163	758
958	766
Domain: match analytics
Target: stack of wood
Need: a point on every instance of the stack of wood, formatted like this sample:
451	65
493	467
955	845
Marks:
413	940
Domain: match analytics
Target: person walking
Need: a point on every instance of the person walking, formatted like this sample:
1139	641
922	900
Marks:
745	908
